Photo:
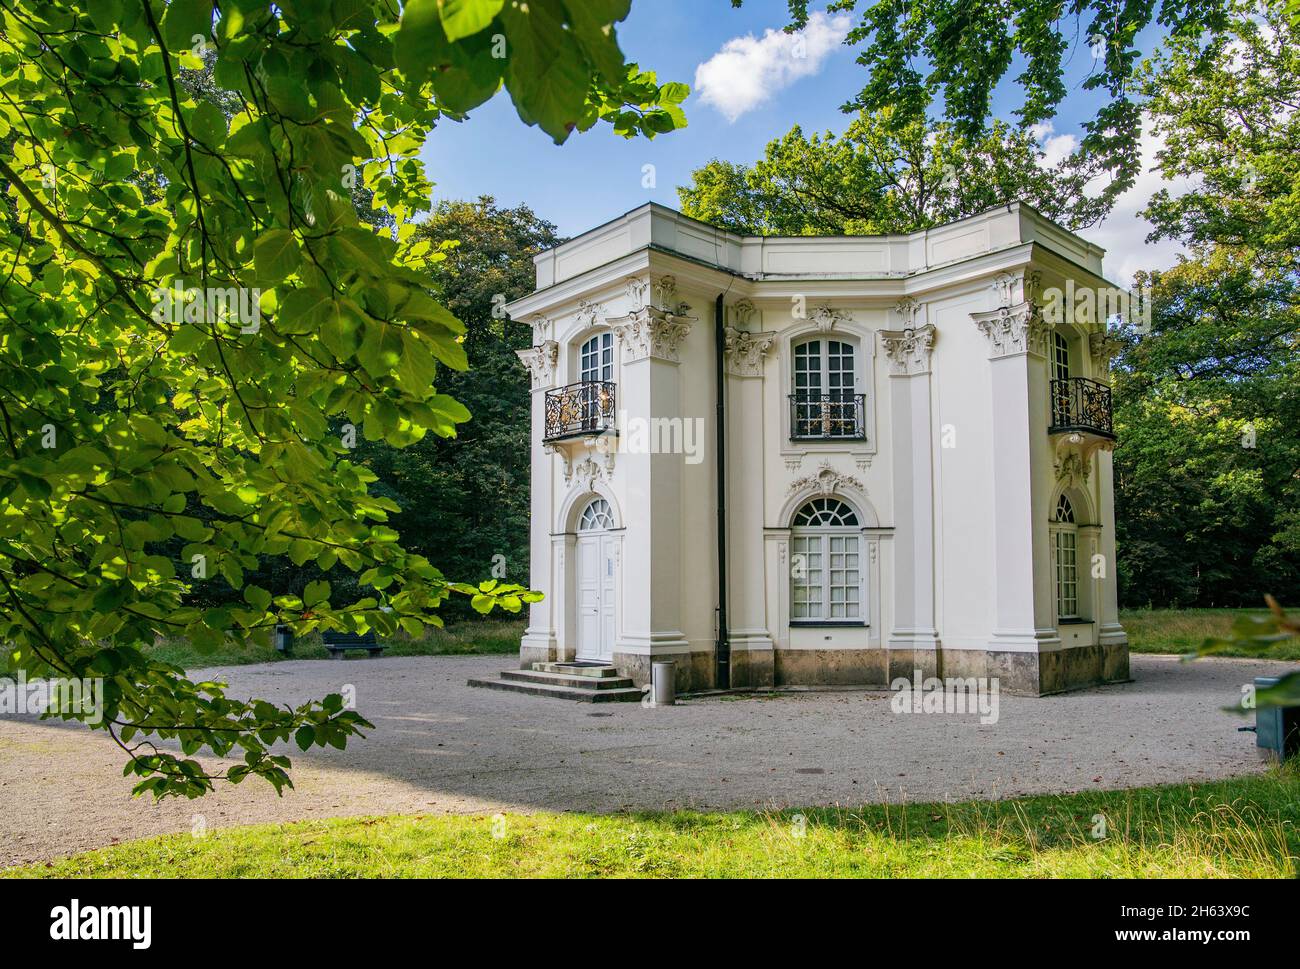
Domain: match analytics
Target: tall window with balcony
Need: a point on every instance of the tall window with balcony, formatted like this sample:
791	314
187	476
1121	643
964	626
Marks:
1079	404
585	407
825	404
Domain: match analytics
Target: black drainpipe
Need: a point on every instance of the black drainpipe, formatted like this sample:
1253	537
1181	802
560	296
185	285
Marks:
722	649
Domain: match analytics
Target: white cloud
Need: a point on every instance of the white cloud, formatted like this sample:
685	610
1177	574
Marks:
1056	148
749	70
1123	233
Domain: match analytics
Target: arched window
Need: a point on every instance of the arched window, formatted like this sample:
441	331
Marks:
596	358
596	517
825	563
824	396
1066	540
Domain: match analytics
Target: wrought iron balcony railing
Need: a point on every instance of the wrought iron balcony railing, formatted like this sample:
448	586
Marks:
1080	404
837	415
579	409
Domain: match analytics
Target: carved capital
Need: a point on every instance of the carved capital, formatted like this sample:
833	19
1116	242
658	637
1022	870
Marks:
652	333
745	351
909	350
541	361
1014	329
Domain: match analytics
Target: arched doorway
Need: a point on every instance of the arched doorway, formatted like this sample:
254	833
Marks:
597	582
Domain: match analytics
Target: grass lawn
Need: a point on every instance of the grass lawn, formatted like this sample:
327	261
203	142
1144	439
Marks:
462	639
1182	630
1149	630
1244	827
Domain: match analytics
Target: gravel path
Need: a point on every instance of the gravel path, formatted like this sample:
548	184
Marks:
443	747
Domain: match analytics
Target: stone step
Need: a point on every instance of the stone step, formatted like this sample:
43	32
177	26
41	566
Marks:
566	679
585	695
591	670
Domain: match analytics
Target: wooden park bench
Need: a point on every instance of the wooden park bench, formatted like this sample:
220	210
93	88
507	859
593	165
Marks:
340	643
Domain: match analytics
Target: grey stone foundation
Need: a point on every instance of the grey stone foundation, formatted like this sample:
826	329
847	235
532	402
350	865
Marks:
1031	674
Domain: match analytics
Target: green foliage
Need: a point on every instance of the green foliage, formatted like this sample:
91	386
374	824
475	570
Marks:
464	499
1207	410
1260	636
926	55
223	427
882	177
1207	405
1227	110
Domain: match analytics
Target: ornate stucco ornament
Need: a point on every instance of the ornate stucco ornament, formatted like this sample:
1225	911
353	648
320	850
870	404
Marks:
543	327
652	332
826	317
1019	328
589	314
664	296
909	350
825	481
541	361
745	351
742	311
1072	457
637	291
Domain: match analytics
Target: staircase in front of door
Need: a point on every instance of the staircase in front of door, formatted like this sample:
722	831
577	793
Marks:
586	682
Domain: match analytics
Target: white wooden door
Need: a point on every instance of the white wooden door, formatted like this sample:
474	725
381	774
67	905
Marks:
597	583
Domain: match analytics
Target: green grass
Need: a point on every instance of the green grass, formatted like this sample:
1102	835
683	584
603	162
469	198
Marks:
1183	630
1244	827
462	639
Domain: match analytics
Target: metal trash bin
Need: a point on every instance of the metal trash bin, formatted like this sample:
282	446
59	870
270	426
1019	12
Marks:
283	639
1277	729
663	683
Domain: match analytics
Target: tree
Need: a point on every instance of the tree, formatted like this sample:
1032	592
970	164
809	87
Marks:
1207	500
1228	112
880	177
464	500
194	359
918	52
1208	416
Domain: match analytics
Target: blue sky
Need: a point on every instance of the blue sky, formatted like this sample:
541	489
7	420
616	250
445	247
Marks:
597	175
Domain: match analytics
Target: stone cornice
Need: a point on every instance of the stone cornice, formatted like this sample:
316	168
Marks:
745	351
650	332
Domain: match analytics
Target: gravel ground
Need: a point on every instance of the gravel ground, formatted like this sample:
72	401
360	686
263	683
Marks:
442	747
